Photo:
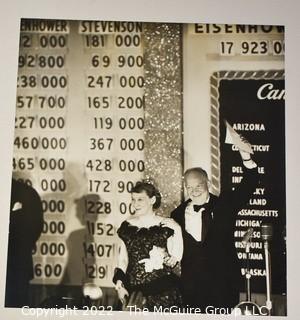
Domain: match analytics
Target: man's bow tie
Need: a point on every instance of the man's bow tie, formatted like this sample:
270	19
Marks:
197	207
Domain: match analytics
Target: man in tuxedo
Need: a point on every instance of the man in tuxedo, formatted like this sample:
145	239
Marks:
210	271
25	227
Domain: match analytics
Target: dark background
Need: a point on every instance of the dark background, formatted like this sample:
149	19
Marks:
239	104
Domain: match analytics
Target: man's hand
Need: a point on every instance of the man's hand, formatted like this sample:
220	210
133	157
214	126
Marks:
122	292
136	299
247	160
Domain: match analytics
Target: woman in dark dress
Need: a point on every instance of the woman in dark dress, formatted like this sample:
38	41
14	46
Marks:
151	248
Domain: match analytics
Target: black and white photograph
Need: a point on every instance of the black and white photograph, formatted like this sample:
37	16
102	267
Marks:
149	168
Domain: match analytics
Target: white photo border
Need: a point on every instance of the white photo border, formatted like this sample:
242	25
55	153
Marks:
267	12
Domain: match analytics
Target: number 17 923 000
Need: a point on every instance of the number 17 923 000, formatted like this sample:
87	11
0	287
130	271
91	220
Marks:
263	47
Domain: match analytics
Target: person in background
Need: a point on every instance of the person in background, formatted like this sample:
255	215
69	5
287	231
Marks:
151	247
25	227
210	270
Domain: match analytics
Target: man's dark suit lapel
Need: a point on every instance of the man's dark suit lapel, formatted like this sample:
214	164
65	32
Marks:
179	214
